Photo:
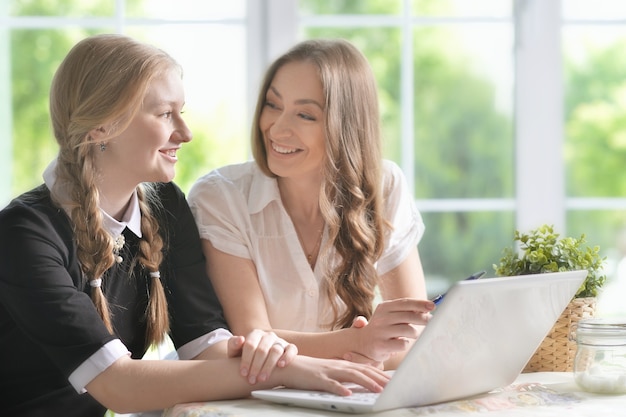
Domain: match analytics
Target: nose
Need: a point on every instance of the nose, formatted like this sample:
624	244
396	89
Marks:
281	127
182	132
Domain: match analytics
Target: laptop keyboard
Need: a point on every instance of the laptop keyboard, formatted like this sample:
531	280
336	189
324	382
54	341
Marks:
359	395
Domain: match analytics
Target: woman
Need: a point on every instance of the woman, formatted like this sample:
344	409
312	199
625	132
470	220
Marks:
300	240
104	259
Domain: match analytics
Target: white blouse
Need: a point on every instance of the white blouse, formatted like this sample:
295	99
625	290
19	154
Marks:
239	210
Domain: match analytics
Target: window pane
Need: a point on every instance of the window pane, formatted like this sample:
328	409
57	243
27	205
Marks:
463	8
595	110
596	9
355	7
187	9
61	8
456	245
463	112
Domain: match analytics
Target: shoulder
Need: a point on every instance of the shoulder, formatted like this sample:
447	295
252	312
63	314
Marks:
33	220
227	180
393	177
34	206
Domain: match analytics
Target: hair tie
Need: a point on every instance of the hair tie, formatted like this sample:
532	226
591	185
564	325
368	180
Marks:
96	283
155	274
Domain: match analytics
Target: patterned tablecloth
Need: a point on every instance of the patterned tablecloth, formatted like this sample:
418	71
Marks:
542	394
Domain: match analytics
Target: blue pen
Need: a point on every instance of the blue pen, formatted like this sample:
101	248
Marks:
477	275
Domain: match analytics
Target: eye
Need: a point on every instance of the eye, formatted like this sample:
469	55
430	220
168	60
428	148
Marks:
167	115
270	104
307	117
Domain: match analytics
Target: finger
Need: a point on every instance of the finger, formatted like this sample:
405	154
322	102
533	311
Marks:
266	354
400	317
248	350
406	304
356	357
291	351
276	352
234	346
359	322
368	377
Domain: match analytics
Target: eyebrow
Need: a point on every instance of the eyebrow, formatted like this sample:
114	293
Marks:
300	101
163	103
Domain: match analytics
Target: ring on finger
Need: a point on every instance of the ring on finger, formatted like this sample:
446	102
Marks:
279	344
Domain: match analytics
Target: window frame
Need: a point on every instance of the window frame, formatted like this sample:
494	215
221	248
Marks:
273	25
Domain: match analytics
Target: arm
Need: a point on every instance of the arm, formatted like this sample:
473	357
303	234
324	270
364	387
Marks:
405	281
236	284
139	385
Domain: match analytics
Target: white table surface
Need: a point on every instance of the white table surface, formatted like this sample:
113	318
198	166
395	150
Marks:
541	394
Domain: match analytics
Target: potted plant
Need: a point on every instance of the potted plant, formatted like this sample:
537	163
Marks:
543	250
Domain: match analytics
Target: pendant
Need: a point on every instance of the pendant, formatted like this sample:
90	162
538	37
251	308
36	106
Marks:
118	244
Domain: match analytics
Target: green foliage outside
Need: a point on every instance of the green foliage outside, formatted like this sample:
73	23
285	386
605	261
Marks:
595	149
463	143
543	250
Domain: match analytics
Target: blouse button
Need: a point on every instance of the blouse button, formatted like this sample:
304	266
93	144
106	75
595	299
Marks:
311	293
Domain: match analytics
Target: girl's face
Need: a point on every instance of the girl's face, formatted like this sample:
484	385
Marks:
292	122
146	150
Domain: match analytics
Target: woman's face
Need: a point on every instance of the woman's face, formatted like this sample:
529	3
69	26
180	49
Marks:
146	150
292	122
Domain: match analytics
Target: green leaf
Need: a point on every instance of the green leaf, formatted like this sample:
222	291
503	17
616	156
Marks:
542	250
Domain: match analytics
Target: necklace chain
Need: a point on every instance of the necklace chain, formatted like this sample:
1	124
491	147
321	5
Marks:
312	255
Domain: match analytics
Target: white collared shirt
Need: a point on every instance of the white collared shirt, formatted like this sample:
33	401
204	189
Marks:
239	210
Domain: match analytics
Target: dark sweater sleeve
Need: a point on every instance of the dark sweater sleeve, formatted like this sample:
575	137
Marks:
41	305
193	305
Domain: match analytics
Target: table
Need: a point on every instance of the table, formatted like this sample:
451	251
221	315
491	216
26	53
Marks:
540	394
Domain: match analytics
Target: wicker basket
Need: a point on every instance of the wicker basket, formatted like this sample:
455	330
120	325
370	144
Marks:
556	352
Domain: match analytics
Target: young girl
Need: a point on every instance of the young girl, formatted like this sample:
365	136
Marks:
104	259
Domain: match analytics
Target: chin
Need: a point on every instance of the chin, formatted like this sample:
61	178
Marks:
164	177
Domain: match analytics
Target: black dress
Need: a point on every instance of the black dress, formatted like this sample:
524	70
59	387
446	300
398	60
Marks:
48	323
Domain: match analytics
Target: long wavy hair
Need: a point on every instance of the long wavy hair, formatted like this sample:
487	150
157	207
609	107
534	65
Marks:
350	197
103	80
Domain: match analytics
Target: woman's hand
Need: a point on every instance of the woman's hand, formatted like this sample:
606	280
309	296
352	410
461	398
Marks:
261	352
310	373
392	328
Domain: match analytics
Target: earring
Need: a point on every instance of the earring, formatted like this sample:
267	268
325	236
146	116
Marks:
103	146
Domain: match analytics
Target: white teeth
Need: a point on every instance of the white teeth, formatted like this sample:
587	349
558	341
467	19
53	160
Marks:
171	153
282	150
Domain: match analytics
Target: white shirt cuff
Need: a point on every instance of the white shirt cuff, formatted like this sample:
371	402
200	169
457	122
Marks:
96	364
195	347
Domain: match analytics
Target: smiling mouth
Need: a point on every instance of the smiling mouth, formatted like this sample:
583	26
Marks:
282	150
170	152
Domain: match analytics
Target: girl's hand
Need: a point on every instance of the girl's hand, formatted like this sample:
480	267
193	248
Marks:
392	328
310	373
261	352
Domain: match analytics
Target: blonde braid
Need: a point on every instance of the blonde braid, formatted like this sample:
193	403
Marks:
94	244
150	256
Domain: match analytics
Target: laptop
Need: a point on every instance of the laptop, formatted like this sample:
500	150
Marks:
480	337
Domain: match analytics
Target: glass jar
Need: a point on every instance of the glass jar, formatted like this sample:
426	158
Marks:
600	361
